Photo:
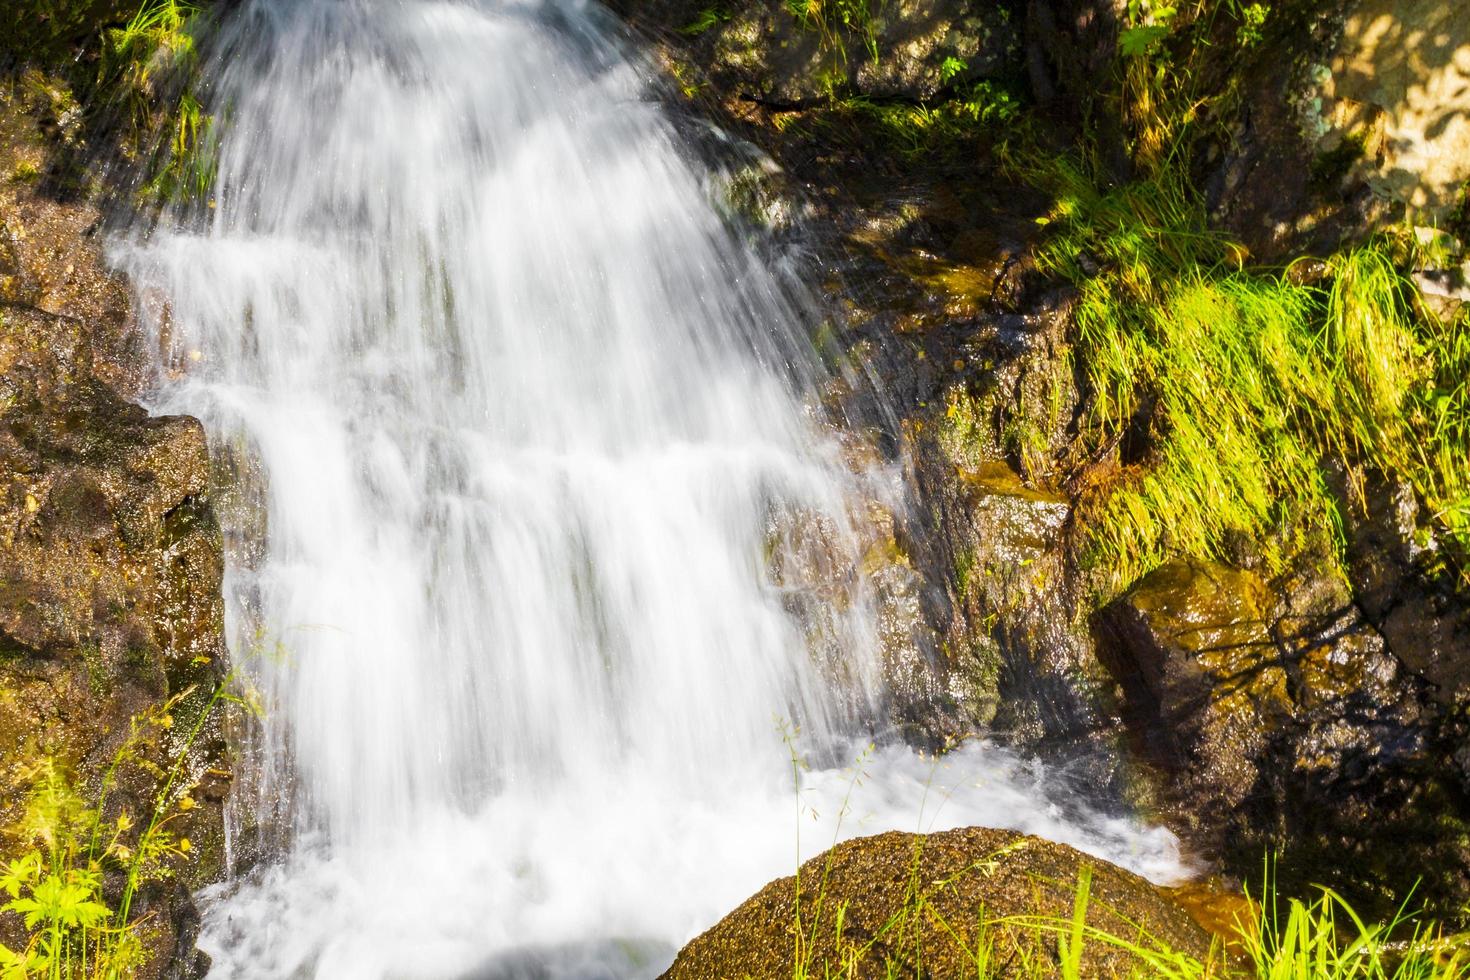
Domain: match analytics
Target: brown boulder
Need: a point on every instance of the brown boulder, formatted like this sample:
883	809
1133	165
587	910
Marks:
883	904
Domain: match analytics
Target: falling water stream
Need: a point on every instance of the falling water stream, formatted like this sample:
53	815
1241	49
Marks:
529	422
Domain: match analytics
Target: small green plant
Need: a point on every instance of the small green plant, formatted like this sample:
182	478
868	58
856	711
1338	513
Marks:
74	886
951	67
1250	31
836	22
706	19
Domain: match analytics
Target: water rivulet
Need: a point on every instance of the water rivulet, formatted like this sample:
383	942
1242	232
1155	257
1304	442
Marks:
533	427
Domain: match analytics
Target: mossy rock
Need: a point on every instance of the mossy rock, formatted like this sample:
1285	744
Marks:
110	555
897	894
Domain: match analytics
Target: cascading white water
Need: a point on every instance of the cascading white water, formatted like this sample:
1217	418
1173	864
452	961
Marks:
531	421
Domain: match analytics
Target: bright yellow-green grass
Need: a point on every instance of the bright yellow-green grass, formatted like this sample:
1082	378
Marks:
1248	386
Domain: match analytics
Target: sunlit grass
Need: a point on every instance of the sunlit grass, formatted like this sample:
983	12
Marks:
1288	939
1243	387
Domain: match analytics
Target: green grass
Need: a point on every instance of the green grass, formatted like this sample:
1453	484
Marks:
1219	396
1287	939
837	22
1227	406
130	65
943	127
147	67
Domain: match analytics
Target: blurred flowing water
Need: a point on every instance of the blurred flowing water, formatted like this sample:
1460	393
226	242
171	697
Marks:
520	427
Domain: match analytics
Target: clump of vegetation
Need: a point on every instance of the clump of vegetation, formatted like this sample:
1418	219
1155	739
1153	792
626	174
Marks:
1180	71
84	863
132	64
1223	399
147	67
1243	386
941	128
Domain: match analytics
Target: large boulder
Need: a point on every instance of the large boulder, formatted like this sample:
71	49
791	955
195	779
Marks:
880	906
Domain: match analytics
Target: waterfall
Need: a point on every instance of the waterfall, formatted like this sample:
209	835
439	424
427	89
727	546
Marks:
518	425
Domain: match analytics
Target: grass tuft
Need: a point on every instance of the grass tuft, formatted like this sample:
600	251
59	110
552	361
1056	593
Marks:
1221	396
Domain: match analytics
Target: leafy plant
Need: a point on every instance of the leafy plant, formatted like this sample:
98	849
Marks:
951	67
74	886
1141	40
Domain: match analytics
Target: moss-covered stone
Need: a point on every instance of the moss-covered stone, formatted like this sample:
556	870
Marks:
904	898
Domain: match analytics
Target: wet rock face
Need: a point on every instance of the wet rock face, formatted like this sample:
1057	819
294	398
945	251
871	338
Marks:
110	558
1302	714
763	53
1422	615
954	874
1277	719
106	523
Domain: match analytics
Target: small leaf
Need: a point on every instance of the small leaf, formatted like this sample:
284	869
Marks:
1136	42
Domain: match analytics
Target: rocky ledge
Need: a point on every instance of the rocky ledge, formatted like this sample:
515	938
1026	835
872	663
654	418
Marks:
111	619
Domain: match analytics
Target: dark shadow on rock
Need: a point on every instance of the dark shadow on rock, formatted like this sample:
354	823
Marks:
1296	731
